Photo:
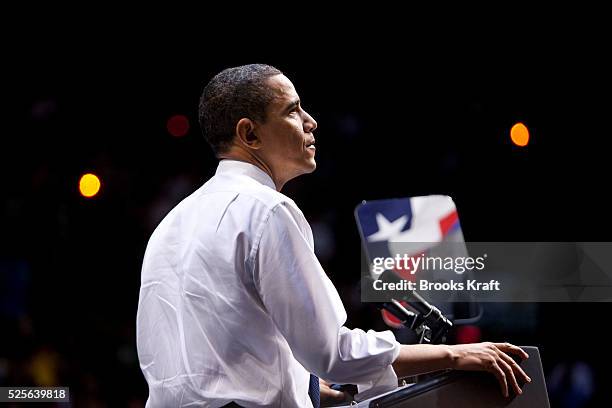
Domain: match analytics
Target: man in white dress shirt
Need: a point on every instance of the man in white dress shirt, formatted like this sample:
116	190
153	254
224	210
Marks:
234	306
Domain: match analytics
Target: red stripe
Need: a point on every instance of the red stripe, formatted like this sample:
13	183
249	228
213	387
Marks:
448	222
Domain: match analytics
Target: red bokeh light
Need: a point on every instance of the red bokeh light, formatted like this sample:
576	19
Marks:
178	125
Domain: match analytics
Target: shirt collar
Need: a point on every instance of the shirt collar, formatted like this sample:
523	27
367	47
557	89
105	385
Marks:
228	166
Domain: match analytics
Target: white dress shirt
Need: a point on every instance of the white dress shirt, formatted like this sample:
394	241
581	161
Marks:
234	305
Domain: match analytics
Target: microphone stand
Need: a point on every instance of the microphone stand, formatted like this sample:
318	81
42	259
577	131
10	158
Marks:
428	321
430	325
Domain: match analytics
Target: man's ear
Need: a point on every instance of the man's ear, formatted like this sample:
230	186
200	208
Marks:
245	131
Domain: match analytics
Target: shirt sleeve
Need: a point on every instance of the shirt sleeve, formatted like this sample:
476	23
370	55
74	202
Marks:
307	309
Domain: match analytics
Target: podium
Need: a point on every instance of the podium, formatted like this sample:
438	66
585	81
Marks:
462	389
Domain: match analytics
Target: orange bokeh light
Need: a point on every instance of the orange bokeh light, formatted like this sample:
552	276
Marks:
519	134
89	185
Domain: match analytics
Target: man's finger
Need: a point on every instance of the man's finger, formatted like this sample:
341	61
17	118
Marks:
337	395
511	379
501	377
515	367
328	393
507	347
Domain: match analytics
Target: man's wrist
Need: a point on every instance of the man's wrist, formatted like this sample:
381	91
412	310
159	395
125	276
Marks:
417	359
452	356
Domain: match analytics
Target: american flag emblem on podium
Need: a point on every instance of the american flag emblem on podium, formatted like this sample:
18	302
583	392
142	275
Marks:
388	227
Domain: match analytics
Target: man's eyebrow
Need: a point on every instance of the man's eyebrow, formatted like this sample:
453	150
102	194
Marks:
292	105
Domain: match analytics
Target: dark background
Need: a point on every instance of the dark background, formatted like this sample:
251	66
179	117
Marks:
396	118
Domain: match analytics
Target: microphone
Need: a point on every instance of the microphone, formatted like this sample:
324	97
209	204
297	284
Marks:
429	315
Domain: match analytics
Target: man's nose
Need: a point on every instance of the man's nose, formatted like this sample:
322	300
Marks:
309	123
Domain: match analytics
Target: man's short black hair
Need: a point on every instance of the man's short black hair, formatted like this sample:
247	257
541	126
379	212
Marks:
233	94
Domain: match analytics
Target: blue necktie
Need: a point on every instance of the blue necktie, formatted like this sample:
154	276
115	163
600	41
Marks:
313	391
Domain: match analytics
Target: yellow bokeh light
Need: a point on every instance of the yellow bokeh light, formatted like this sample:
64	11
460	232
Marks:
89	185
519	134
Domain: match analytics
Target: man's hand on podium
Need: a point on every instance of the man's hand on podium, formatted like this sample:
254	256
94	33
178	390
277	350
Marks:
329	396
493	358
417	359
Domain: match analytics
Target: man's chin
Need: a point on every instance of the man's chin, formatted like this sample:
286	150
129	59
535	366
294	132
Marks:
307	168
312	166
